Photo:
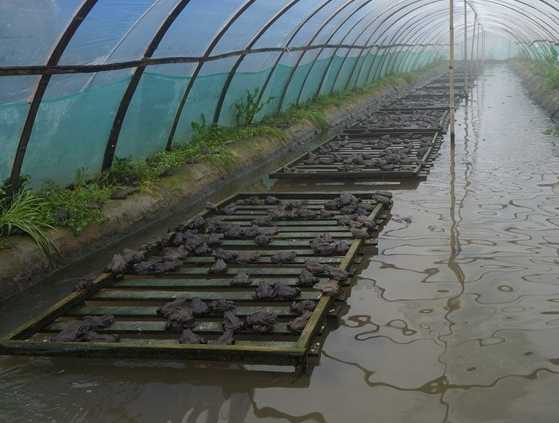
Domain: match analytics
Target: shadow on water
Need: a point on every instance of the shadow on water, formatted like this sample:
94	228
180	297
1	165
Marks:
455	320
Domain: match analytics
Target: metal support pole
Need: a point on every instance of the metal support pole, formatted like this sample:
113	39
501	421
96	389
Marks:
474	40
466	70
482	54
478	39
485	46
451	73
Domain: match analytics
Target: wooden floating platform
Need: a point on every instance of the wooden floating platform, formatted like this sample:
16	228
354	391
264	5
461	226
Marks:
402	108
133	300
445	87
362	143
420	103
409	119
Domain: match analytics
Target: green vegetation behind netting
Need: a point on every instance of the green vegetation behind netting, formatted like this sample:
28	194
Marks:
547	68
81	204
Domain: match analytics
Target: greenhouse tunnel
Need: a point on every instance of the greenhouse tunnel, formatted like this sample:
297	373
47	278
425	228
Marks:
85	82
364	191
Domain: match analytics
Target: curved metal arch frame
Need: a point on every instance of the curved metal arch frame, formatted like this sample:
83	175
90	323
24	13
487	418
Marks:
406	26
499	28
112	141
521	12
415	36
385	65
311	40
406	62
286	45
361	52
41	87
346	56
312	65
349	50
523	42
208	51
505	28
240	59
359	63
332	34
334	53
316	58
545	26
402	66
371	64
412	36
512	32
382	66
332	56
376	41
122	39
420	35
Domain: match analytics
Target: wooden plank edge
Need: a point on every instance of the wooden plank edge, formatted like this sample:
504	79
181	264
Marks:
59	308
207	352
322	308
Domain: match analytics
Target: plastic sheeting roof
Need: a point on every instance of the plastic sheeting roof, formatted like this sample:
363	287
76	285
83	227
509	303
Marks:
83	81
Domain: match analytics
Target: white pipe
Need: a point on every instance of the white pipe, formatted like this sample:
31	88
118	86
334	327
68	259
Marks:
451	73
465	49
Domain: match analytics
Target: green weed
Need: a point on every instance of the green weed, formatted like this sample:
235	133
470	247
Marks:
552	131
247	108
23	213
76	207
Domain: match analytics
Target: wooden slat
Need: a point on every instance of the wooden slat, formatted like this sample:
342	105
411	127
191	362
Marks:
154	327
199	283
265	260
129	295
151	311
280	270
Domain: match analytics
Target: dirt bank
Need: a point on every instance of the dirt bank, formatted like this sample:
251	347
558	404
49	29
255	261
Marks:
538	88
23	265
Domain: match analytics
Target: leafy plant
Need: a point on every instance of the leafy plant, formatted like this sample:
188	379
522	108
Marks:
247	108
76	207
123	172
552	131
552	77
550	55
23	213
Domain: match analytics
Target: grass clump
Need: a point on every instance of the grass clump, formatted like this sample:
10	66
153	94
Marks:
552	131
208	142
552	77
75	207
296	114
23	213
247	108
547	69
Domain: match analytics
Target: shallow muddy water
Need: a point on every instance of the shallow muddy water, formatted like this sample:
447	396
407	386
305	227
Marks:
456	319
